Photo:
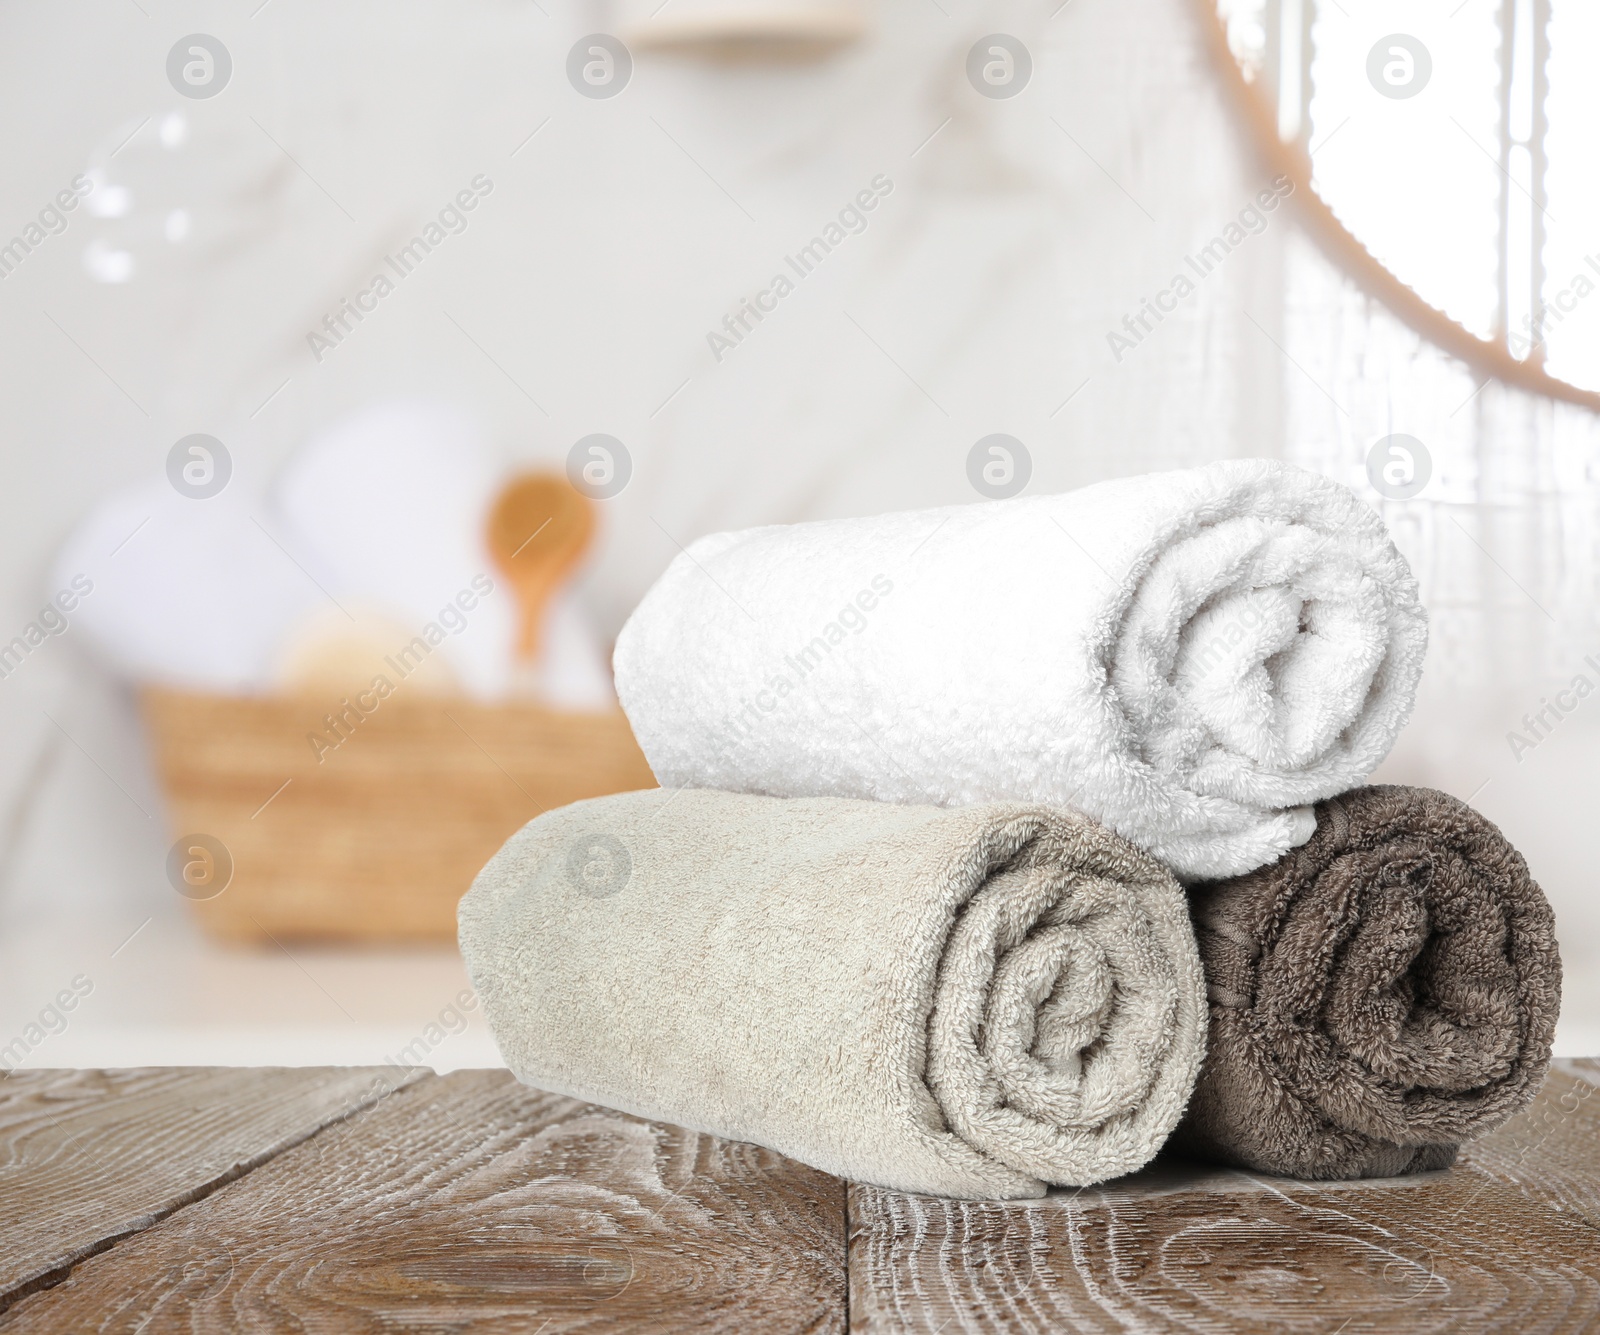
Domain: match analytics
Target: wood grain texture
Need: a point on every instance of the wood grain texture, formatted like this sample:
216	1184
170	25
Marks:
210	1200
378	838
1551	1152
89	1156
1184	1247
472	1202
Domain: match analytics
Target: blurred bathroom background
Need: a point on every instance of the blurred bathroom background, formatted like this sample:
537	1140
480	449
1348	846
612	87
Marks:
632	202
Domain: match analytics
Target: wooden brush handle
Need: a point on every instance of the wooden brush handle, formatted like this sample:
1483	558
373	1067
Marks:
539	527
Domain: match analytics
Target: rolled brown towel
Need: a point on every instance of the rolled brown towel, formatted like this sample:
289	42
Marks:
1378	995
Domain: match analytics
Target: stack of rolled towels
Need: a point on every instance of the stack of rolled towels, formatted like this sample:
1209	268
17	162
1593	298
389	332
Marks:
1001	844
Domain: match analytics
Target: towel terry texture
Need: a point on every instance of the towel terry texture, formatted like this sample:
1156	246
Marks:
970	1002
1193	657
1378	996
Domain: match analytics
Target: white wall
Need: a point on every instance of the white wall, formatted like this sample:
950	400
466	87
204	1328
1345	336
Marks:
612	242
1018	234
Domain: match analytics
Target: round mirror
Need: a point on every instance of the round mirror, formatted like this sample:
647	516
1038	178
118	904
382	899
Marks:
1448	154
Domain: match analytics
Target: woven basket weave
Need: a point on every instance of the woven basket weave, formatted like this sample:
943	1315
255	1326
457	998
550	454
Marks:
377	839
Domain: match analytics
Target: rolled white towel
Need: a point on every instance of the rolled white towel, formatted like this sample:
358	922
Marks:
1191	657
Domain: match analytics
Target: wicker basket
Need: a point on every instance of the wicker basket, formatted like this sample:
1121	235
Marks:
378	838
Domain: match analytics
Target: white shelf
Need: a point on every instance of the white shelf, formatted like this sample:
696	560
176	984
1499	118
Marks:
170	997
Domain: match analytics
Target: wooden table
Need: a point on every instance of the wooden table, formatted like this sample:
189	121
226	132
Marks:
367	1200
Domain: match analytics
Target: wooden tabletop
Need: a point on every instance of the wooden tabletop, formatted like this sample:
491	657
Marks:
367	1200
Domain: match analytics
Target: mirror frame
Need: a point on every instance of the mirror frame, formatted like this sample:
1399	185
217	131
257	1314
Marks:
1489	360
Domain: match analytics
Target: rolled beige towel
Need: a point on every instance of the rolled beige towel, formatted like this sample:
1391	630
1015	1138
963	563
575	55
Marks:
1378	995
973	1002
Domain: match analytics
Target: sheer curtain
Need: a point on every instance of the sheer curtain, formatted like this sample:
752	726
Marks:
1503	536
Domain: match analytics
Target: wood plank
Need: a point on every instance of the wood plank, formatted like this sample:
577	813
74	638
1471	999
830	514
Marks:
1263	1257
89	1156
1501	1242
470	1201
1551	1152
